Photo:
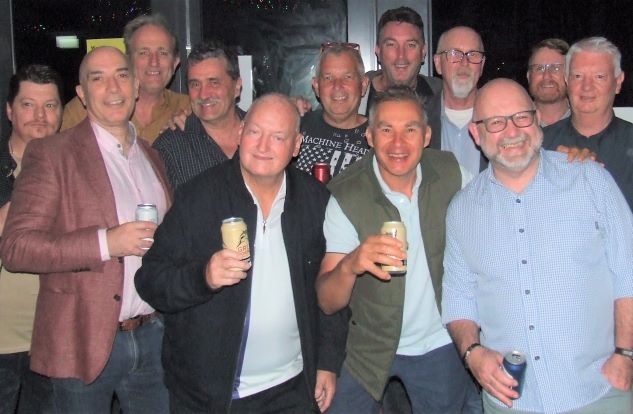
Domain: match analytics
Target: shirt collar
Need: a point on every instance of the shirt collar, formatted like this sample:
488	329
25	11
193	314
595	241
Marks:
545	171
385	188
108	142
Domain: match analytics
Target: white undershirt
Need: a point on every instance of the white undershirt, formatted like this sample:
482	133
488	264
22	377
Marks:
273	348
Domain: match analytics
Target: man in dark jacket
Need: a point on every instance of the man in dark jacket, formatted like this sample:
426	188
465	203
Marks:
247	336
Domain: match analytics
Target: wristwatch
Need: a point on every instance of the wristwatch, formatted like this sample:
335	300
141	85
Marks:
624	352
469	350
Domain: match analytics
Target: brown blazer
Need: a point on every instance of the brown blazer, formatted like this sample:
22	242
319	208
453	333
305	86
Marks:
61	197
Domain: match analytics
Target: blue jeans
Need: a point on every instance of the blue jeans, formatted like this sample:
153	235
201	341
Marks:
22	390
134	372
436	382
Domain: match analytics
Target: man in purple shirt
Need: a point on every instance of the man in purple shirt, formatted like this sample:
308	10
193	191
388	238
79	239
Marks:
72	220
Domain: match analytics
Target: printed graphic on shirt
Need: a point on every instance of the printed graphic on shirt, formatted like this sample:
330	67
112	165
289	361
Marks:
323	143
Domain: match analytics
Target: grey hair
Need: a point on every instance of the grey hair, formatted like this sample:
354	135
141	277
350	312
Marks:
148	19
397	93
596	44
338	51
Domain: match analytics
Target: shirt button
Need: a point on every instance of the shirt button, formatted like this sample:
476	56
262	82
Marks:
524	261
531	327
518	200
527	291
117	298
521	230
536	358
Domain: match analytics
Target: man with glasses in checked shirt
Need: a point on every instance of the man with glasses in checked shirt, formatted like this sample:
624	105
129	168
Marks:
538	259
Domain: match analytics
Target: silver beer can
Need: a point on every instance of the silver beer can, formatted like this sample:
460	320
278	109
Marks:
147	212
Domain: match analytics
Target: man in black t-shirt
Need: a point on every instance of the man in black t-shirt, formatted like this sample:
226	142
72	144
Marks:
594	76
335	134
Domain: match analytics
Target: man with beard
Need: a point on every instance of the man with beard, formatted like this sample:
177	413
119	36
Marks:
594	76
519	275
211	133
546	79
460	60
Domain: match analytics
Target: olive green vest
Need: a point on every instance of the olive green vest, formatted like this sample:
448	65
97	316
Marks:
377	306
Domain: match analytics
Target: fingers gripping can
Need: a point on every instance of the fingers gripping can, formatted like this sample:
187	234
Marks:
514	364
147	212
235	236
396	230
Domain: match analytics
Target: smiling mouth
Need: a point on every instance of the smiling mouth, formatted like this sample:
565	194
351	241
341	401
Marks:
512	143
115	102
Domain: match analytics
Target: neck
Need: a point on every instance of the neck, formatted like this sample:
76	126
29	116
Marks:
402	184
150	98
225	132
381	83
345	123
453	102
122	135
551	112
17	145
591	124
516	181
265	189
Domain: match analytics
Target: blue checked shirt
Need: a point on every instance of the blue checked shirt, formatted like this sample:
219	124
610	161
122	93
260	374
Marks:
539	272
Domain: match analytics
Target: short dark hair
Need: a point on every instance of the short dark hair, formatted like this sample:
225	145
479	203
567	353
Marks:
40	74
217	50
148	19
400	15
397	93
559	45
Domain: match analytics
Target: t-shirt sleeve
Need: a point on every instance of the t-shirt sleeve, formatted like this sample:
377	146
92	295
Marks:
340	234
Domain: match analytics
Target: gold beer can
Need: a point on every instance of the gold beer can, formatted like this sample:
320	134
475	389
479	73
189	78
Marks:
396	230
235	237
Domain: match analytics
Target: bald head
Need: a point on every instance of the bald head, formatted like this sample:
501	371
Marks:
270	103
491	95
268	140
505	127
101	53
107	87
457	34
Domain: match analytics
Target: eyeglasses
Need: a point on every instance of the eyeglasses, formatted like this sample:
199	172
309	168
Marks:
456	56
328	45
548	67
495	124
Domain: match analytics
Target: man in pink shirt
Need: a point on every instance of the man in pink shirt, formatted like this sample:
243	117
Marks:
72	220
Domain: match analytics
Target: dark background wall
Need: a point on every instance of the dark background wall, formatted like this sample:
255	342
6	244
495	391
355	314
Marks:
510	28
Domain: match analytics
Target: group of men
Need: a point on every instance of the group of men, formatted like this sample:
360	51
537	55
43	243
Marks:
167	318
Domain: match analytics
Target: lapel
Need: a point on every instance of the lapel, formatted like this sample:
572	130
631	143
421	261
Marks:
92	169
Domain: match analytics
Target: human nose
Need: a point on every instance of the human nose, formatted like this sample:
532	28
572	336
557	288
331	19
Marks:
113	84
264	143
153	59
39	112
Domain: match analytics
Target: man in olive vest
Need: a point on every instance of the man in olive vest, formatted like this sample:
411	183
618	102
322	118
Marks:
394	331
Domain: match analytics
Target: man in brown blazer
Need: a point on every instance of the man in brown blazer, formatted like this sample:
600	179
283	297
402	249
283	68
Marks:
73	222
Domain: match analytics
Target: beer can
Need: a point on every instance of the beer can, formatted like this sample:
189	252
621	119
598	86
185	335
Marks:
147	212
514	364
235	236
321	171
396	230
